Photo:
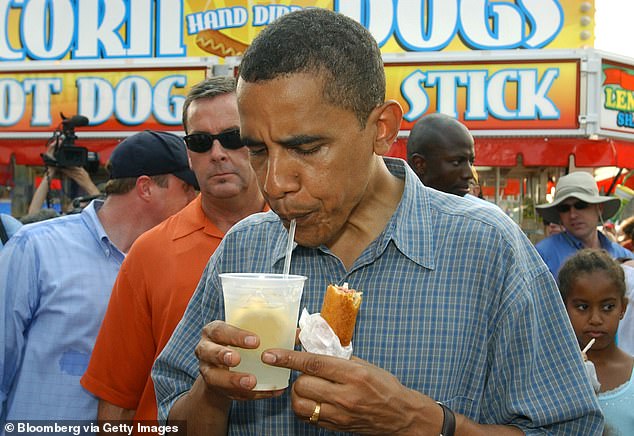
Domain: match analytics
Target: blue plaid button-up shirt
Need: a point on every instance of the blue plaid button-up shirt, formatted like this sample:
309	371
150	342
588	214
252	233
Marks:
457	304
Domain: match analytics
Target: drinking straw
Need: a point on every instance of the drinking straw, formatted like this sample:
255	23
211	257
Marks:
588	346
289	248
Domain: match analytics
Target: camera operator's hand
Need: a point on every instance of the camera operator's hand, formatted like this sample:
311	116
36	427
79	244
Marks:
82	178
51	172
39	196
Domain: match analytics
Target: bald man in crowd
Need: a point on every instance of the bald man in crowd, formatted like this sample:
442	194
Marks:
441	152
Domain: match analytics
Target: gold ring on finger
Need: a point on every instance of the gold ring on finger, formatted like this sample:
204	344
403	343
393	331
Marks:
315	416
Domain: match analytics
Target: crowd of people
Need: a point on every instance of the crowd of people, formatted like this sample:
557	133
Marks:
116	313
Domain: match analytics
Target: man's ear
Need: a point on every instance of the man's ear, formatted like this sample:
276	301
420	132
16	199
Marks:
388	122
143	187
418	164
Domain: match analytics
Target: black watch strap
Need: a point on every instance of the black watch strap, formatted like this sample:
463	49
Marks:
448	421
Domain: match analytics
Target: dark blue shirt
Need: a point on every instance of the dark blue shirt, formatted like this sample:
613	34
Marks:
556	249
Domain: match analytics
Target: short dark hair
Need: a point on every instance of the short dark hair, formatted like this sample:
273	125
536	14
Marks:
433	130
587	261
338	49
208	88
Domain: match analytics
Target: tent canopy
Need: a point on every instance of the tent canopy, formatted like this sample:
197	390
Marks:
497	152
548	152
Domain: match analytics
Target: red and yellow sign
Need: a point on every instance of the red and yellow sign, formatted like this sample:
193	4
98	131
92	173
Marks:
113	100
485	96
227	27
522	95
617	99
118	29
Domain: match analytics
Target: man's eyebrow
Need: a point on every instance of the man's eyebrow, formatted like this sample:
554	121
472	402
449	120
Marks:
227	130
293	142
458	156
300	140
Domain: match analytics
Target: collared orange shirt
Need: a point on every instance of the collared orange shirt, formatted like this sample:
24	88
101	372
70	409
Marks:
150	295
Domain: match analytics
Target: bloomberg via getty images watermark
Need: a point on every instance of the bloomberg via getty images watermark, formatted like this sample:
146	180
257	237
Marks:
76	429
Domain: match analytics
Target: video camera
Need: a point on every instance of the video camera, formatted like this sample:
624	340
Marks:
65	153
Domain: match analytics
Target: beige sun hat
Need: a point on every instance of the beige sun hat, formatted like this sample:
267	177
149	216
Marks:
582	186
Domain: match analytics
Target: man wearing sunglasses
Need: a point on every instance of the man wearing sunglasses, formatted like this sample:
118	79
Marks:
162	270
579	208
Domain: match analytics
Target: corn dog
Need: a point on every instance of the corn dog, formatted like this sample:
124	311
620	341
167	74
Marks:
339	309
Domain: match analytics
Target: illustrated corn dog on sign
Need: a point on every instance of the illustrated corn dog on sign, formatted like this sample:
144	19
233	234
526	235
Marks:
227	27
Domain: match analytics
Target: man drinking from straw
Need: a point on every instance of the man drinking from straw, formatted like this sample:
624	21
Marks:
488	340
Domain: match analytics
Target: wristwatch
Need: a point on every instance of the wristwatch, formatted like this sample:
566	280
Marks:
448	421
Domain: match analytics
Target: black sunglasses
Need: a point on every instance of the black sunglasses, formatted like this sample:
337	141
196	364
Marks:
202	142
579	205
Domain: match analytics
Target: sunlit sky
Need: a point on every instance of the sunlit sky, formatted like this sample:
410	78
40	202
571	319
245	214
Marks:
613	26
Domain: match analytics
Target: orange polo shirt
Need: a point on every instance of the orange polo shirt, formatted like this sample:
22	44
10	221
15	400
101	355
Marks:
149	297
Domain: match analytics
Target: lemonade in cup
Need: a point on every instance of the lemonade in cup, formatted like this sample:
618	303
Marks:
267	305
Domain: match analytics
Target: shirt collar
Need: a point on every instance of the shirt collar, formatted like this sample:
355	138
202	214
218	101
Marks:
401	226
90	218
412	217
604	242
192	218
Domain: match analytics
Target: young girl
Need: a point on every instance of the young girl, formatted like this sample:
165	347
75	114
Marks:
592	285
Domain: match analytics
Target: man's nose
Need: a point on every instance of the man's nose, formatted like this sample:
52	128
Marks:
281	177
217	151
466	171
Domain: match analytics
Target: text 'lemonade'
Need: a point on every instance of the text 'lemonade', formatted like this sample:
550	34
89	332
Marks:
267	305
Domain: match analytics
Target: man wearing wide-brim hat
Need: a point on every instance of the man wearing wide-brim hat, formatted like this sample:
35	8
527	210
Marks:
579	208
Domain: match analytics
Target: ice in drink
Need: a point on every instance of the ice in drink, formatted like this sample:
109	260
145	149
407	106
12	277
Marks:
267	305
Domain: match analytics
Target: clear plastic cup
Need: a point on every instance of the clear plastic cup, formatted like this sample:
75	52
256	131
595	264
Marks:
267	305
